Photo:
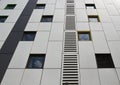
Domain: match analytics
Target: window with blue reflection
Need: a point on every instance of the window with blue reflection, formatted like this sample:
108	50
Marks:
10	6
36	61
28	36
47	18
84	36
93	18
3	19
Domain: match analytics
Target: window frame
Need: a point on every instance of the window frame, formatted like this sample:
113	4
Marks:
90	5
84	32
93	16
105	64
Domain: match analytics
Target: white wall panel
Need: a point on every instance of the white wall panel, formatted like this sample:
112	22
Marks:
115	51
21	55
99	42
99	4
87	55
108	77
60	3
51	77
118	72
82	26
13	15
19	1
81	15
49	9
89	1
112	10
38	27
51	1
3	3
5	29
91	12
54	55
95	26
40	42
89	77
44	26
59	15
118	33
32	27
12	77
116	21
115	18
36	16
117	3
79	3
110	31
103	15
57	31
107	1
42	1
31	77
20	4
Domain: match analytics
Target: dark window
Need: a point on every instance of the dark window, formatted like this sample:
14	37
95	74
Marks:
3	18
90	6
93	18
84	36
104	61
36	61
10	6
40	6
28	36
48	18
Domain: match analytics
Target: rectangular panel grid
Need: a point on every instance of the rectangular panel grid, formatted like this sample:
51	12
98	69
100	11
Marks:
71	64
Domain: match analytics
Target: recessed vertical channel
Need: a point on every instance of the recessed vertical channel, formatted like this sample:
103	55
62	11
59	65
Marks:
70	66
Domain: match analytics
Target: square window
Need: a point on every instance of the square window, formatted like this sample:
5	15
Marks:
40	6
104	61
90	6
3	18
36	61
10	6
84	36
93	18
46	18
28	36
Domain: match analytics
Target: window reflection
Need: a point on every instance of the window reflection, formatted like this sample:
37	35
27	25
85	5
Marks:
36	61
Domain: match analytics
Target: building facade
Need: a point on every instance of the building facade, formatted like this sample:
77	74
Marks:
59	42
